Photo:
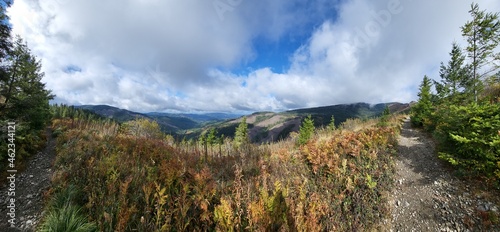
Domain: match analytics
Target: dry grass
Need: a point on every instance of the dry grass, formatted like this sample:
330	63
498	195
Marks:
336	182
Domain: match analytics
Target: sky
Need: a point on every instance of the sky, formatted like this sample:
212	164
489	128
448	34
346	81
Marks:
238	55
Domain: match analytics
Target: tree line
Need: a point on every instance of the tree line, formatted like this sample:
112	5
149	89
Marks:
463	111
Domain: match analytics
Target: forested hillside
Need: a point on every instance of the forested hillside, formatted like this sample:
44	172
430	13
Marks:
267	127
175	124
264	126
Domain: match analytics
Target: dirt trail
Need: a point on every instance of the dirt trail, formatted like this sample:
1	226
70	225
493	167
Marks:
428	198
31	184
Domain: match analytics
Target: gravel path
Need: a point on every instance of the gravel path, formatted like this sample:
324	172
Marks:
428	198
31	185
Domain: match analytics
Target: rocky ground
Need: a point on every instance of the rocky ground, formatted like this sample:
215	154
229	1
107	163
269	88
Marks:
428	197
31	185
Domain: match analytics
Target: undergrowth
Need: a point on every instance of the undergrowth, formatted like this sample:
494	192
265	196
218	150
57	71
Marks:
337	181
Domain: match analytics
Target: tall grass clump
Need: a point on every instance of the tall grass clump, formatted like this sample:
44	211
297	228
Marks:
64	213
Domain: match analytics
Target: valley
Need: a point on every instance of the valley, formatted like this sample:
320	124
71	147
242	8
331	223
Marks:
263	126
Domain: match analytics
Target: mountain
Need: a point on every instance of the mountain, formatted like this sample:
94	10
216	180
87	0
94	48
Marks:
263	126
117	114
200	118
322	115
271	126
170	123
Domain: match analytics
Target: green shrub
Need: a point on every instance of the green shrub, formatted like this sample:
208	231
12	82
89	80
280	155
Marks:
470	139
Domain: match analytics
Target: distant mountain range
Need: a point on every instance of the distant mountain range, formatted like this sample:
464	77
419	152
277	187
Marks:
270	126
170	123
263	126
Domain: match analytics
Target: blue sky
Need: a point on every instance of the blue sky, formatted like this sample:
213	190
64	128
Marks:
238	55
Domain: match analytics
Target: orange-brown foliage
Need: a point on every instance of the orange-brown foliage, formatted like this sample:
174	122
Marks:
145	184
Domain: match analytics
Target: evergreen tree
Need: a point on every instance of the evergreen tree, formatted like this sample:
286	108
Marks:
384	120
422	110
331	125
241	134
306	130
202	139
483	35
212	137
453	75
24	95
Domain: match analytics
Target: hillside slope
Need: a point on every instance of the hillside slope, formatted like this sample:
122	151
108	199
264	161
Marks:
270	126
169	123
263	126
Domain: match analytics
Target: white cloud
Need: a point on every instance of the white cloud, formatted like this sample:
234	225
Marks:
159	55
374	52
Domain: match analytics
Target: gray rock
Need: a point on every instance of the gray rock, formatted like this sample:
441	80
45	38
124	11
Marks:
482	208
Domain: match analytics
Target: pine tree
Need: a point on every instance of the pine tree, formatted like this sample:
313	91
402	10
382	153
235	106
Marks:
306	130
453	75
24	95
384	119
422	110
241	134
331	125
483	36
211	139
